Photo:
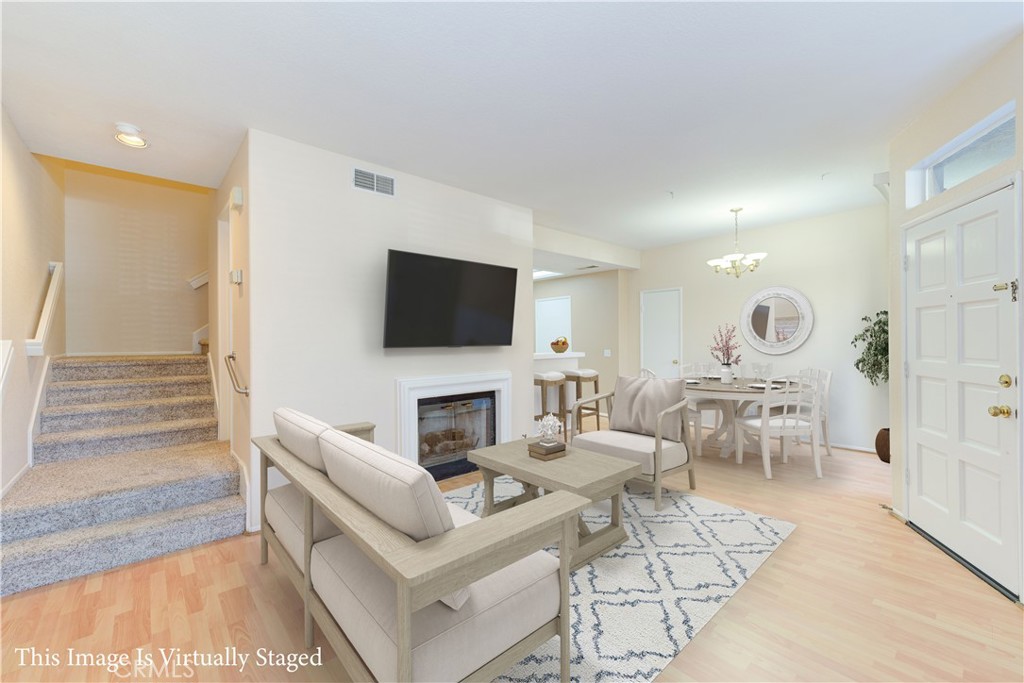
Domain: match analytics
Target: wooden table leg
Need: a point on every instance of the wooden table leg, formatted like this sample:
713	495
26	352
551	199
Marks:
729	427
489	476
595	543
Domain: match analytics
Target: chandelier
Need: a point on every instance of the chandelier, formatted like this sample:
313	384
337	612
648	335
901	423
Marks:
737	263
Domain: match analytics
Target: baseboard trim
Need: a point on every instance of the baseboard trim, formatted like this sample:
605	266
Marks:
243	491
37	406
1000	588
25	468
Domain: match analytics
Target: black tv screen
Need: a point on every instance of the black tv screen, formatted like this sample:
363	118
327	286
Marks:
435	301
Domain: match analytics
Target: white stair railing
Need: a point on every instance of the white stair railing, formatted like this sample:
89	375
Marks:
34	346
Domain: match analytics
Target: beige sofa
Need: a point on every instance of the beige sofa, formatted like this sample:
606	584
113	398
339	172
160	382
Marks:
405	586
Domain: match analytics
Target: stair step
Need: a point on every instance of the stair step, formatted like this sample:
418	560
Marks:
47	559
97	415
67	495
58	446
76	392
73	368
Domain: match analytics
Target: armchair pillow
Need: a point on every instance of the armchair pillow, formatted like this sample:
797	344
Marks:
638	400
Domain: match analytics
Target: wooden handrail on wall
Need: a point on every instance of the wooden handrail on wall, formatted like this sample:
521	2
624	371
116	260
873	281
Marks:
34	346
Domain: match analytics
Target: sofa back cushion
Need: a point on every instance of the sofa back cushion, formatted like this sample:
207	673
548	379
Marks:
637	402
300	434
398	491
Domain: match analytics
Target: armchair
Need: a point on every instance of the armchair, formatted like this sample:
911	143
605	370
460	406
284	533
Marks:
647	424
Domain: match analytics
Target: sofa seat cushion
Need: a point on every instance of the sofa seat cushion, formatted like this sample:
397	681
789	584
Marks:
460	515
398	491
635	447
502	609
300	434
286	516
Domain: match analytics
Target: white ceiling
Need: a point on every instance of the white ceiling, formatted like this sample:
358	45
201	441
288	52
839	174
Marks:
591	114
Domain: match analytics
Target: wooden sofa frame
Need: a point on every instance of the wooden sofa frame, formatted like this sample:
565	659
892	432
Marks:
422	571
654	480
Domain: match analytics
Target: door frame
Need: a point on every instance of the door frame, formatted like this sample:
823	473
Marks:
1015	180
655	291
223	267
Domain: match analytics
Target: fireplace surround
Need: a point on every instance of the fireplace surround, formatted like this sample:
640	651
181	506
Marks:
414	390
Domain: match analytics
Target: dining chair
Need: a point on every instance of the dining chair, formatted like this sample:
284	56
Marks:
788	408
823	381
693	371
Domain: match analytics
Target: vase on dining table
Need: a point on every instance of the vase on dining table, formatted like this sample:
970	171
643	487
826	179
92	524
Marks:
726	373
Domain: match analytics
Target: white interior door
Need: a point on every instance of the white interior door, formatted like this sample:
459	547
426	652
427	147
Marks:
661	336
963	464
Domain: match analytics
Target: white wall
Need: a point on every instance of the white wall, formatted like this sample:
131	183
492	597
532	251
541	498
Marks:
586	248
318	250
838	261
33	235
999	81
133	242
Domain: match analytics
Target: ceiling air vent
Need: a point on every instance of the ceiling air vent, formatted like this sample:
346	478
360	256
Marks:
590	267
364	180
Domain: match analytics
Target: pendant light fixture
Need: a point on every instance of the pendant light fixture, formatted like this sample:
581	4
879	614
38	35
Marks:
737	263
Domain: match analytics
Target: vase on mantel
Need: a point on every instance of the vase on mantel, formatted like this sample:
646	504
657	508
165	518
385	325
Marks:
726	373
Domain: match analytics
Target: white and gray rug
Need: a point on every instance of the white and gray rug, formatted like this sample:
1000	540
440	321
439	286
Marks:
636	607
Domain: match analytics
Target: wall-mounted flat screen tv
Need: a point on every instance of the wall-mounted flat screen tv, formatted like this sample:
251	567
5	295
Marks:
435	301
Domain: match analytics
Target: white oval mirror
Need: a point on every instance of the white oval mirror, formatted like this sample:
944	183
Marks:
776	320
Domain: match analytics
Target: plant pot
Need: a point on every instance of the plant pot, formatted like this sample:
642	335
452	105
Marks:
882	444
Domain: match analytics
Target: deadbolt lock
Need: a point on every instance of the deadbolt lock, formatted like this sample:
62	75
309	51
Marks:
1000	411
1005	381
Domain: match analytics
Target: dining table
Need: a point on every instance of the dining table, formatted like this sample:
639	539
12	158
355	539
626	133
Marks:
734	399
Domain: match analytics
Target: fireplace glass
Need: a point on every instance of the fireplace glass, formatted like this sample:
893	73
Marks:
450	427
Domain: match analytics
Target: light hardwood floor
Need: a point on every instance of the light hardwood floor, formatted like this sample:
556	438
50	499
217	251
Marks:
852	594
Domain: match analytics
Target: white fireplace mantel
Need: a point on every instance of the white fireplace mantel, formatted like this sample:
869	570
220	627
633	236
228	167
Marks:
410	391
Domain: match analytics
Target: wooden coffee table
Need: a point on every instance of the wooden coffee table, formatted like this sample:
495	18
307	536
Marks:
592	475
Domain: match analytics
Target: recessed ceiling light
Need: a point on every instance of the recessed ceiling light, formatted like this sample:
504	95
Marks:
543	274
130	135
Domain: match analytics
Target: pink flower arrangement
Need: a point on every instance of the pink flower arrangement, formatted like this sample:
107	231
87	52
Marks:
725	346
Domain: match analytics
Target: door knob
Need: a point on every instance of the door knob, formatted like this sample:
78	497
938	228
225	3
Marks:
1000	411
675	362
1005	381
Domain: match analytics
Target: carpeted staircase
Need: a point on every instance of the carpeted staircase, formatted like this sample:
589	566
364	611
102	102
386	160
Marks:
127	467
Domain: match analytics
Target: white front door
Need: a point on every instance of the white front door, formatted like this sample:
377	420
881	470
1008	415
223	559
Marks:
661	331
963	463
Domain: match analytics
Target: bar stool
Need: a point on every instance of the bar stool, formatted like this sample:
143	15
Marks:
579	377
550	380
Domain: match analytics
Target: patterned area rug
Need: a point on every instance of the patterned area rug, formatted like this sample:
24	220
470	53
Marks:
636	607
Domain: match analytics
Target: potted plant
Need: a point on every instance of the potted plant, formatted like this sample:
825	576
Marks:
873	363
724	350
